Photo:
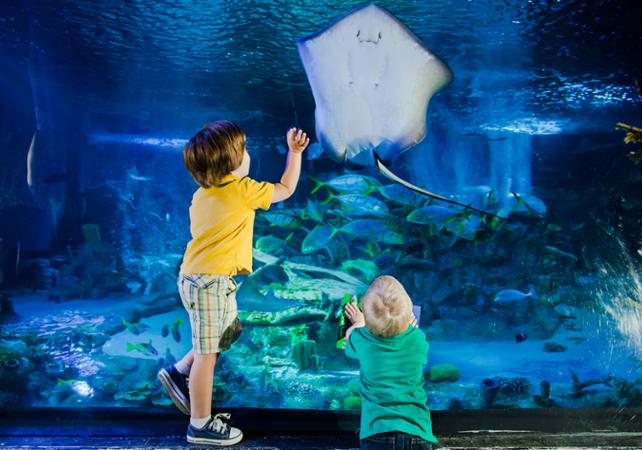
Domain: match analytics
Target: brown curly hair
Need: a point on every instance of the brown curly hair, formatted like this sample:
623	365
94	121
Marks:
214	152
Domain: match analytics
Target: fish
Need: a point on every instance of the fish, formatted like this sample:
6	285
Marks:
31	160
135	328
272	244
315	210
373	229
145	348
347	184
525	203
365	269
521	337
165	330
317	239
399	194
176	333
396	73
134	176
640	252
512	296
314	151
250	298
263	257
361	205
466	228
281	220
562	254
431	214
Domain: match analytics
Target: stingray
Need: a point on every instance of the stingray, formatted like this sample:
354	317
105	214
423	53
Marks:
372	80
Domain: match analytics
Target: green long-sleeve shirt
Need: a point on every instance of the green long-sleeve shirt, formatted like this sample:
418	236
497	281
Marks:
392	383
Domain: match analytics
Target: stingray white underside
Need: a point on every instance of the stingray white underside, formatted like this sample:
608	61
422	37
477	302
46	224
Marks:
371	79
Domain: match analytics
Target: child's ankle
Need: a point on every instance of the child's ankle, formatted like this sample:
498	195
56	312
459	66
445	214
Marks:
182	368
199	423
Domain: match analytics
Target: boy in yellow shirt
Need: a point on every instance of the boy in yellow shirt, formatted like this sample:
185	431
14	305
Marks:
221	224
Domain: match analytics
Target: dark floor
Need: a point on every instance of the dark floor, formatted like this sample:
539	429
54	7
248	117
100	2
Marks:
278	429
482	440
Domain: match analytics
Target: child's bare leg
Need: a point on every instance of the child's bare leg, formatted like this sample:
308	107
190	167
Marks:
201	380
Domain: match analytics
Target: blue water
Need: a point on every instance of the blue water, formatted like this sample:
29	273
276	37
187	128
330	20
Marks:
113	91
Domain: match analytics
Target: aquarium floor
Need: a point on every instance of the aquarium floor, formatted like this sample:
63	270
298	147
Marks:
486	441
304	429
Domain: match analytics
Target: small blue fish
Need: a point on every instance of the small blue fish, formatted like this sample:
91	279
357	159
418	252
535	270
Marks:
431	214
165	330
361	205
348	184
512	296
146	348
272	244
315	210
176	333
521	337
135	328
282	220
400	194
317	239
314	151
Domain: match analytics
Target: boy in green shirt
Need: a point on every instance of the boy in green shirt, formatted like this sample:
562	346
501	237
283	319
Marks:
392	354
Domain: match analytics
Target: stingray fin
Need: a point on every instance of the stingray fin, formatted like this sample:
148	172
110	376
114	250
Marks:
391	176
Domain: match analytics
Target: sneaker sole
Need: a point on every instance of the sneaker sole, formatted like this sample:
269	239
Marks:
177	396
221	443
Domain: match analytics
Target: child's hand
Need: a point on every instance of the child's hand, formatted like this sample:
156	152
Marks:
354	314
297	140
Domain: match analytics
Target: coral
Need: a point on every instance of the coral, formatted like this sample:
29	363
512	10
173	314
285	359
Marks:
488	390
352	402
543	399
578	387
553	347
443	372
304	353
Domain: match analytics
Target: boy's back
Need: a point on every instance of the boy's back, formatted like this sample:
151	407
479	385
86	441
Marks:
221	225
392	383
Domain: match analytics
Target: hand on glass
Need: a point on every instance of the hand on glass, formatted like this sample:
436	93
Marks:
354	314
297	140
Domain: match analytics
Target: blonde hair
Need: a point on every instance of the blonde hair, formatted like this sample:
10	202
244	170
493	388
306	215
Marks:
386	307
214	152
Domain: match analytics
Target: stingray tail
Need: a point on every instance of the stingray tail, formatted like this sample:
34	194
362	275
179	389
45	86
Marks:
390	175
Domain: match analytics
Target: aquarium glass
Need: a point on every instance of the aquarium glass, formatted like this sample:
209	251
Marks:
540	307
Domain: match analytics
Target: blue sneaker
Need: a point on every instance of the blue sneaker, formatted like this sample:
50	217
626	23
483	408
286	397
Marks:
176	385
216	431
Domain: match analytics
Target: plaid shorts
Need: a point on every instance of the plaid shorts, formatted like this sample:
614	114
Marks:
210	301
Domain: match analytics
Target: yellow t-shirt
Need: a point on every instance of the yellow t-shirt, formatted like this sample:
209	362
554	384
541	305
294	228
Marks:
222	225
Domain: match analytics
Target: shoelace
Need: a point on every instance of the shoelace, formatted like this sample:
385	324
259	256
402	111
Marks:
218	425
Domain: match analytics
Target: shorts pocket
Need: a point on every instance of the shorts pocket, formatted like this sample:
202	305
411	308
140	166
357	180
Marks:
202	281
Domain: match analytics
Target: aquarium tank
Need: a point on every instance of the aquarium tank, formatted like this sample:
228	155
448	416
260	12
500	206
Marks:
531	299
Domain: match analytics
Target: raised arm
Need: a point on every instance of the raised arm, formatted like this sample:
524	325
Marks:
297	142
